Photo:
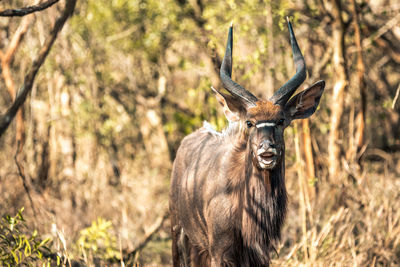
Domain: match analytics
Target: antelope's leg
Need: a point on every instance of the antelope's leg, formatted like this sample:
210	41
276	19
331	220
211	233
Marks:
175	234
184	249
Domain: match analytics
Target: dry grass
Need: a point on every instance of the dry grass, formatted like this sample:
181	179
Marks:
71	203
354	224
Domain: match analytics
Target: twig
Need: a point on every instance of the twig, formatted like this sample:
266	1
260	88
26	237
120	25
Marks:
37	63
396	96
21	173
381	31
121	35
120	252
320	65
148	237
20	12
386	9
379	153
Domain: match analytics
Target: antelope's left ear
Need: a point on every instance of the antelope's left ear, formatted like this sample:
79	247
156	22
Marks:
304	104
230	115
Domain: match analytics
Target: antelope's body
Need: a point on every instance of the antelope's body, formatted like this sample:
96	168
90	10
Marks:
228	196
229	211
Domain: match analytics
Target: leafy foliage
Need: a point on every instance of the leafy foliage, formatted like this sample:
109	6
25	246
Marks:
97	241
20	247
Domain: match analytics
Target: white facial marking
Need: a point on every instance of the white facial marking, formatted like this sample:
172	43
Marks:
265	124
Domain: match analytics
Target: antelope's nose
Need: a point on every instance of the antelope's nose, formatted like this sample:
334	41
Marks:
266	144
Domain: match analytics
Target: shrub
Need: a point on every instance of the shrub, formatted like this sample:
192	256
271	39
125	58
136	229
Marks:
97	241
18	246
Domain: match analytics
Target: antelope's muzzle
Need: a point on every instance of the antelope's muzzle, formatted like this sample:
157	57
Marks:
267	155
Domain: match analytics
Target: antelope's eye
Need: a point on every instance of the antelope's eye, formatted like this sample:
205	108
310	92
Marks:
249	124
280	122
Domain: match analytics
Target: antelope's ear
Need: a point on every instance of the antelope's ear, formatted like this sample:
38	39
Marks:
304	104
231	116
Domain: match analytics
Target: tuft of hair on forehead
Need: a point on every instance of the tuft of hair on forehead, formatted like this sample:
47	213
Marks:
265	110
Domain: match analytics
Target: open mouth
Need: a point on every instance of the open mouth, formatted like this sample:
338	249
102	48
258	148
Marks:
267	158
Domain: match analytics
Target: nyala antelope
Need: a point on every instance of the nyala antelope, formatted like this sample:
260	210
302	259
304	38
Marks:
228	197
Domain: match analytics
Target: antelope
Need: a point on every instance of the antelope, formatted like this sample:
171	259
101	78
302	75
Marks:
228	196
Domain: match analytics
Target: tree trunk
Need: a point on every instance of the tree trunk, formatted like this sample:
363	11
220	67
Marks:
339	66
29	79
269	79
6	61
303	194
360	133
154	138
309	158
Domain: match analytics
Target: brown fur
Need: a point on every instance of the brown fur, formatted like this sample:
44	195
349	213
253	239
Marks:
227	210
246	205
265	110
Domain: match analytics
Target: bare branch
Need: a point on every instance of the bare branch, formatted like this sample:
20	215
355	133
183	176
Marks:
6	61
396	96
381	31
156	227
27	10
37	63
21	173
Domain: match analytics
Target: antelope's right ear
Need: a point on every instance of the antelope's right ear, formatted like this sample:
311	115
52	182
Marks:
232	116
304	104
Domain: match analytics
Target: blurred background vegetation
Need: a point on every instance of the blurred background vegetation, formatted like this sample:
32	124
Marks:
89	156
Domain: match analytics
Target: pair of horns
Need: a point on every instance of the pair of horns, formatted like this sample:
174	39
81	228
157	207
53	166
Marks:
281	96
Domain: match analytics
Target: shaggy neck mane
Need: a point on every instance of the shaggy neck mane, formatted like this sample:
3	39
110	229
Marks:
259	201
